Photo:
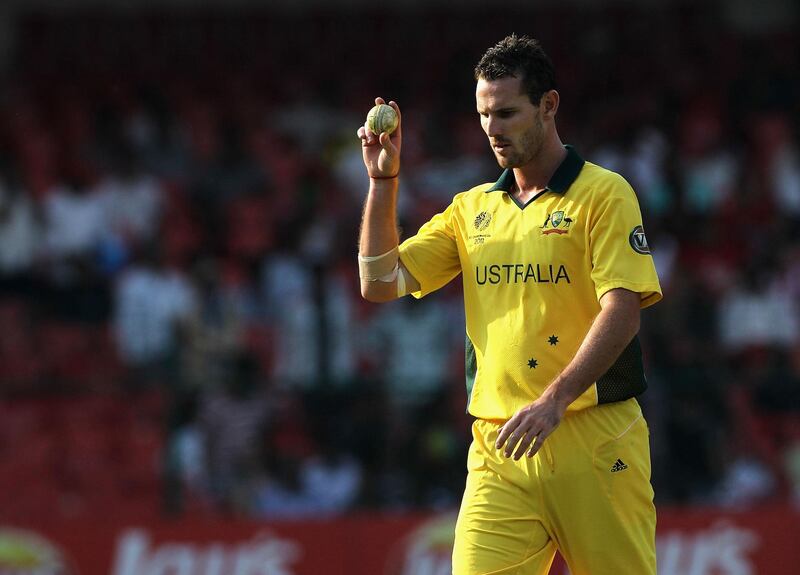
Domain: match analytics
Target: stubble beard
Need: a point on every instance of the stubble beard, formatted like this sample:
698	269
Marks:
530	147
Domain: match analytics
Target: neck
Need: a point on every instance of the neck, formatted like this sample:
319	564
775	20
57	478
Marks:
534	176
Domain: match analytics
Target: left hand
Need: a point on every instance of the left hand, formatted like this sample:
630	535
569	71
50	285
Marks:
530	426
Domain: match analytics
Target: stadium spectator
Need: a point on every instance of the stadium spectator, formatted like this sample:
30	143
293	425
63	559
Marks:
74	222
20	231
310	307
132	201
756	311
410	346
332	477
212	333
231	417
152	303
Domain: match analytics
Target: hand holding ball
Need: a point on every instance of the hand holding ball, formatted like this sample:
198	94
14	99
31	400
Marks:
380	149
382	118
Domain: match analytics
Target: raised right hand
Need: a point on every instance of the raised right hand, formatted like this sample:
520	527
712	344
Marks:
381	151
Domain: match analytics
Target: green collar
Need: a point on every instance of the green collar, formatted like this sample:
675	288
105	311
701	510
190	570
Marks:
566	173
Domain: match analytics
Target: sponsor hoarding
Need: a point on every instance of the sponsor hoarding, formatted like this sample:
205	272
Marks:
690	542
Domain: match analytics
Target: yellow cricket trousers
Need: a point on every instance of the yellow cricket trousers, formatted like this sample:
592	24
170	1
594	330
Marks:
587	494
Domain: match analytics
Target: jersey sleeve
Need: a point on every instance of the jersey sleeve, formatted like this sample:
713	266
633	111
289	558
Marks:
619	250
432	254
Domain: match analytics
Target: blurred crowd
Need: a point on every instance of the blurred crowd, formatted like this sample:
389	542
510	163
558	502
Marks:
179	206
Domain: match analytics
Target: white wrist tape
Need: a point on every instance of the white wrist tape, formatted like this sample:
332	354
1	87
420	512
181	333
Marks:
382	268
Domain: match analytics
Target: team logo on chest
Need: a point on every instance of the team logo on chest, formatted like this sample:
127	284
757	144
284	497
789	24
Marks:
557	223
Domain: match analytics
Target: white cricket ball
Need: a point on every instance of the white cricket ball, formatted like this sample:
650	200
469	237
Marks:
382	118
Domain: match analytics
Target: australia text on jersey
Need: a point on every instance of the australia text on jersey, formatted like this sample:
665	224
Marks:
521	273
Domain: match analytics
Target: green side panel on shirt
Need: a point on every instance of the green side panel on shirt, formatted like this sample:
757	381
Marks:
471	367
624	379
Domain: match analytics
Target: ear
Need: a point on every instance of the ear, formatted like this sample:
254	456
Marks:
549	104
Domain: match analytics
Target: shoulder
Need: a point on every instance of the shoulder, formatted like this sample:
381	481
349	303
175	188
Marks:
474	196
604	184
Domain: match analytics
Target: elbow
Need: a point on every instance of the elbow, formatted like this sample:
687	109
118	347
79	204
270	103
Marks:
368	295
378	292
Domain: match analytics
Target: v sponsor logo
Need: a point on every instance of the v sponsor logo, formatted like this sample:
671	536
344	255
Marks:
638	241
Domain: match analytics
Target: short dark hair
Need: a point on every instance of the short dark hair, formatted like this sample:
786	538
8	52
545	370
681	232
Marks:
519	57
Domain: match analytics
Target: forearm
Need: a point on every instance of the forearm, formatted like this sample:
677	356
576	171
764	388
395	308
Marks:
613	329
379	233
379	222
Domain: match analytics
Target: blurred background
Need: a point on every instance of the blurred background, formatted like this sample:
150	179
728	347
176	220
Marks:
182	338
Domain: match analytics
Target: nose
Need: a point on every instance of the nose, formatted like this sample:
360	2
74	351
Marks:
492	127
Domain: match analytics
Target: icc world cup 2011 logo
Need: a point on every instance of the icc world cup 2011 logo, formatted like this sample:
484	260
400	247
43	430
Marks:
482	221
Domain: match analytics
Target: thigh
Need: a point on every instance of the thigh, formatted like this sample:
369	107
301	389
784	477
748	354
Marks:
499	528
603	514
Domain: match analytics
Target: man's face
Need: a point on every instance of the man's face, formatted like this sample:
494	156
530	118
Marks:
512	123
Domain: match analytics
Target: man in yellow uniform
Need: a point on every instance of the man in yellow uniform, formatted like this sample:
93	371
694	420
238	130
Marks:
555	268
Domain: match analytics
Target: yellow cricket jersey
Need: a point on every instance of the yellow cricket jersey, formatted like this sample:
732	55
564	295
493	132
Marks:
533	276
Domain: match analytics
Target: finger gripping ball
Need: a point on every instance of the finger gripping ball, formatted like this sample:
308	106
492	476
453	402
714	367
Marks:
382	118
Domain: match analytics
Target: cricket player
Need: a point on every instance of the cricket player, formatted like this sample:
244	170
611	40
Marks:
556	267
